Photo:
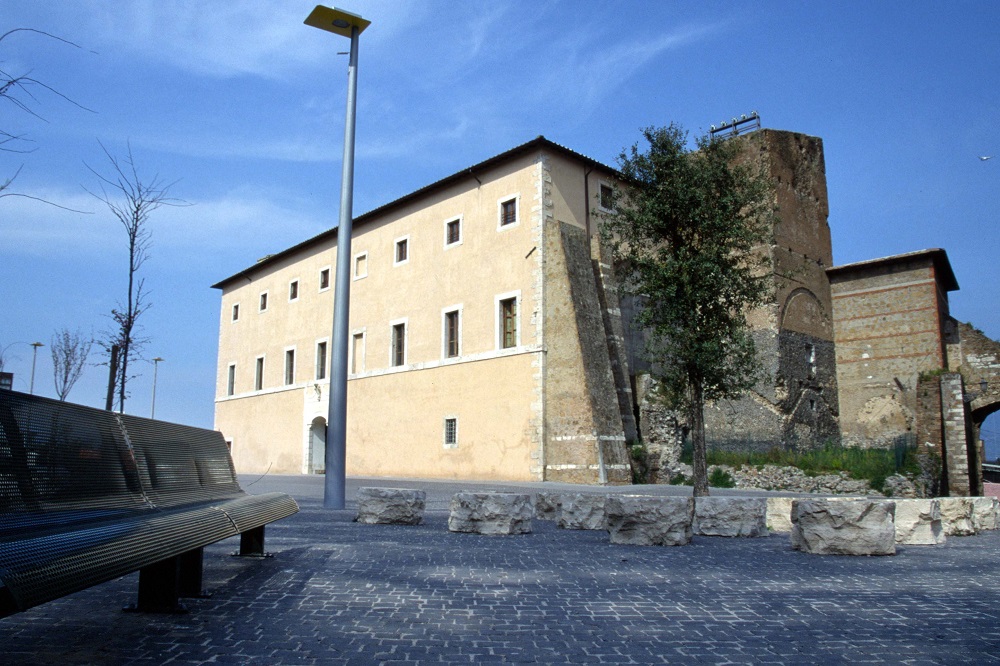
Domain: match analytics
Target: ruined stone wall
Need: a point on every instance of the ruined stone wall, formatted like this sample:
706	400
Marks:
797	406
888	321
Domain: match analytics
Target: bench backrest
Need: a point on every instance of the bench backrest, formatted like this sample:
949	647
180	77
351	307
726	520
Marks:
64	462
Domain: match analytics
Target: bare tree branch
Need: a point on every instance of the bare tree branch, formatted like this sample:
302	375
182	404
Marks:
69	356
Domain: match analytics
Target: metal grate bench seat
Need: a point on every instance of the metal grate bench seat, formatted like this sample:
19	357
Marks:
87	496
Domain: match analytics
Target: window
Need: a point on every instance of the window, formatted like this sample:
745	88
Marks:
402	252
357	353
508	323
453	232
231	380
607	198
451	433
324	279
452	333
289	367
508	212
263	301
398	344
236	311
258	376
293	290
360	265
811	360
321	360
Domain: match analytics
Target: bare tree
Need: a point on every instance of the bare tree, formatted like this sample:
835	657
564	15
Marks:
19	90
69	356
131	198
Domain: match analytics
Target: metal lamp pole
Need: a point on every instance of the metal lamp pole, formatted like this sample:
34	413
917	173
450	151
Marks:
152	406
34	358
347	25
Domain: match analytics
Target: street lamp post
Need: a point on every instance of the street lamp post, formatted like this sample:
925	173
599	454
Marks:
34	358
152	406
348	25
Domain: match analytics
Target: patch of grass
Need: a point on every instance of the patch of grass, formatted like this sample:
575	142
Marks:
871	464
720	478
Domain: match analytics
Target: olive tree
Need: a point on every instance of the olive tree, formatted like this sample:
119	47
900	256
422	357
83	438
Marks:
688	228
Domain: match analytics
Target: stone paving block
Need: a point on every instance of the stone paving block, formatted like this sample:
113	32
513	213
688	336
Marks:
730	516
956	515
918	522
984	513
843	527
650	521
582	511
491	513
391	506
779	514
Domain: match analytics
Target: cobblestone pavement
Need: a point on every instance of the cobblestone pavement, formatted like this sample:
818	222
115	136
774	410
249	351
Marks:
337	592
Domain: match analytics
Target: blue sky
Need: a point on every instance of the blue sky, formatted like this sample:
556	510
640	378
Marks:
243	106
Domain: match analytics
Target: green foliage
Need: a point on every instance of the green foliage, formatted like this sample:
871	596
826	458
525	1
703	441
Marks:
686	233
640	462
720	478
871	464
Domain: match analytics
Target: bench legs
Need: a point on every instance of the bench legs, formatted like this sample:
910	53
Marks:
162	584
252	543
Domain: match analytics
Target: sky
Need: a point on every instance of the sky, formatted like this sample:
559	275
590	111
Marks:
239	108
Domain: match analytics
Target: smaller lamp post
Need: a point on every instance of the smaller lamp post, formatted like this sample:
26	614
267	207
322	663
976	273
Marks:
34	358
152	407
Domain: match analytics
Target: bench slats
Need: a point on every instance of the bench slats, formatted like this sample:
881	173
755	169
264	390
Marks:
87	496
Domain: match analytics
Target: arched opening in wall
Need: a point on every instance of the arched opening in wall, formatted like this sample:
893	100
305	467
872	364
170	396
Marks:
802	312
988	421
317	446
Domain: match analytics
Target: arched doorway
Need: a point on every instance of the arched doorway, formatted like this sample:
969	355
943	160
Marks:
317	446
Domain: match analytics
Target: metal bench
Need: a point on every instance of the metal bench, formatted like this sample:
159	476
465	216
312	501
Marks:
87	496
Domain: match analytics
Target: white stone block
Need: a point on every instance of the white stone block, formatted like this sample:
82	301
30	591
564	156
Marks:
547	506
984	513
730	516
779	514
640	520
491	513
956	515
582	511
391	506
851	527
918	522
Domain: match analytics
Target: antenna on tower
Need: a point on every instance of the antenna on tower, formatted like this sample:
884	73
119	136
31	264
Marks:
736	126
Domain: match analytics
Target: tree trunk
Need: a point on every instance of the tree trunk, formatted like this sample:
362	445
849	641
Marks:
699	454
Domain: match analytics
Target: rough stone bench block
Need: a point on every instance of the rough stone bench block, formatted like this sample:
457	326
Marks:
843	527
984	513
582	511
956	516
779	514
730	516
391	506
491	513
547	506
918	522
649	521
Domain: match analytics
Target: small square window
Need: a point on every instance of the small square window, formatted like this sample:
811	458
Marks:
320	360
361	265
453	232
263	301
324	279
607	197
289	367
398	344
451	433
236	311
258	376
293	290
508	212
402	252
